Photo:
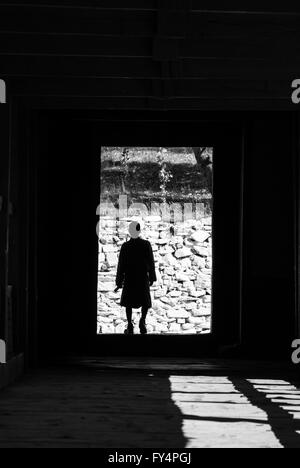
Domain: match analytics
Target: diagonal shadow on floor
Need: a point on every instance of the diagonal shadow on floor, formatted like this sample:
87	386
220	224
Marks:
283	424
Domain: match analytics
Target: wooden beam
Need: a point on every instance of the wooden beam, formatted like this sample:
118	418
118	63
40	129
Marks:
86	4
161	49
86	45
262	7
152	104
79	87
34	66
247	6
239	25
98	87
165	22
92	21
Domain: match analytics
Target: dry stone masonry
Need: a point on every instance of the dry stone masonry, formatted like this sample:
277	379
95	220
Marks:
181	298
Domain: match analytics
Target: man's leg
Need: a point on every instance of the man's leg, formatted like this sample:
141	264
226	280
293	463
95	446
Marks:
129	315
143	328
129	329
144	313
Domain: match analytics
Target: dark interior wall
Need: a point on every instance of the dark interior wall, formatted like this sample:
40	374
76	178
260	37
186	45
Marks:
66	219
13	240
17	228
4	152
269	293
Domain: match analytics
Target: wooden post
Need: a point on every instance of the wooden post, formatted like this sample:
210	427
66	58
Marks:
4	124
297	226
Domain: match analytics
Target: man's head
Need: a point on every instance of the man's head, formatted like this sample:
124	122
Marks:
134	229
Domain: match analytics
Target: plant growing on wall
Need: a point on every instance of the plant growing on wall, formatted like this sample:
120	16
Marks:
164	174
125	168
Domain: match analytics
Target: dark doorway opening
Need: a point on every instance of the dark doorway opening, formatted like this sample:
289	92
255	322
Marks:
227	221
68	218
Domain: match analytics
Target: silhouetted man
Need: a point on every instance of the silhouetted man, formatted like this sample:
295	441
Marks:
135	274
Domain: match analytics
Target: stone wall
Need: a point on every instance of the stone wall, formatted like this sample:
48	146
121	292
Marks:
181	298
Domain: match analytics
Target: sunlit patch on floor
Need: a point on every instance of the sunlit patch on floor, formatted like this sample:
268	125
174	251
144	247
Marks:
217	414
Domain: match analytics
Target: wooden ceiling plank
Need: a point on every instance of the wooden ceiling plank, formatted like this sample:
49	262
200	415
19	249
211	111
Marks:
143	23
73	21
146	68
262	7
149	104
60	45
68	45
247	6
148	5
204	89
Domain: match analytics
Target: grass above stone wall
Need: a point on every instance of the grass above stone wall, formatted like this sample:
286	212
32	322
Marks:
140	182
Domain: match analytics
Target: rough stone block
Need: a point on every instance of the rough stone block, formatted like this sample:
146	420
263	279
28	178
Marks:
181	277
112	259
175	293
109	248
204	312
169	259
106	287
207	299
170	271
191	306
201	251
199	262
153	234
105	277
185	263
101	258
120	328
184	252
198	313
161	241
105	320
161	328
198	294
200	236
178	314
107	329
187	326
195	320
166	250
175	328
165	306
168	300
192	331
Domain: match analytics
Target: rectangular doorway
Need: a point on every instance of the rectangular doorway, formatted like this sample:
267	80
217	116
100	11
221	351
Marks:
170	192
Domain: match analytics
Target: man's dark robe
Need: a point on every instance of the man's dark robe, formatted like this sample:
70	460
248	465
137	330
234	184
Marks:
136	270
